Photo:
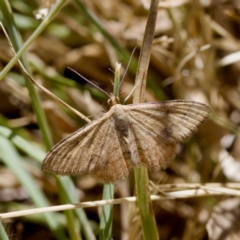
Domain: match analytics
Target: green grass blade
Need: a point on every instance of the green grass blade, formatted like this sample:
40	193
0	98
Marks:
7	15
149	225
8	20
144	203
73	231
22	144
3	235
17	43
65	183
13	160
105	232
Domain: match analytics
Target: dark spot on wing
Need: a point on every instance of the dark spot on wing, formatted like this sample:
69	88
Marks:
166	133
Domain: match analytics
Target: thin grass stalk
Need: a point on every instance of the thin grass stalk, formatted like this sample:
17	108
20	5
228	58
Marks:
106	221
72	229
13	161
3	235
116	80
105	232
7	13
148	221
199	191
17	43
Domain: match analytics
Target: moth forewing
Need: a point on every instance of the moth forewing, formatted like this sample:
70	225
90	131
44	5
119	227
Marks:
63	158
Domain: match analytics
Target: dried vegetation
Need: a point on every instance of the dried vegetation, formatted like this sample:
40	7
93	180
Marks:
195	56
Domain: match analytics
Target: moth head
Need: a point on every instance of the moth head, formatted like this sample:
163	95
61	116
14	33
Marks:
113	100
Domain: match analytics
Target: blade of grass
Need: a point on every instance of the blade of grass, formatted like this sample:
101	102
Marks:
105	231
66	183
38	154
72	198
28	148
23	177
148	221
17	43
3	235
13	160
73	231
7	13
8	20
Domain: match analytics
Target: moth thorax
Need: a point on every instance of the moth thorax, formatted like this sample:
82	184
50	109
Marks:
113	100
120	120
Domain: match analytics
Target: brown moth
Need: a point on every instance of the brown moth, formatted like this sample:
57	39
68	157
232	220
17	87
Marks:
127	136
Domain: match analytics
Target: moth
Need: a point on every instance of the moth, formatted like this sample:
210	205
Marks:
127	136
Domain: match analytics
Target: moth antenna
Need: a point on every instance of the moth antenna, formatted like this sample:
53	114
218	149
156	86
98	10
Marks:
111	70
40	86
124	75
80	75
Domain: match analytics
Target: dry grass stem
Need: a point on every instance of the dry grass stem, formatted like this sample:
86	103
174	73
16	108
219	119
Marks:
199	191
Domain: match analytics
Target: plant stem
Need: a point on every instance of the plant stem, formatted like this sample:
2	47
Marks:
7	14
105	232
141	174
37	106
108	189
